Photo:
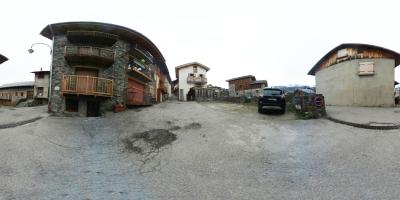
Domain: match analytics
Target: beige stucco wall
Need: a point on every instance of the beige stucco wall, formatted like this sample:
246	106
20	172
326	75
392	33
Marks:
44	82
341	85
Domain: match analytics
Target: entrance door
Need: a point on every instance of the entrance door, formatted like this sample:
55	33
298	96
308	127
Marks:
135	92
93	108
83	83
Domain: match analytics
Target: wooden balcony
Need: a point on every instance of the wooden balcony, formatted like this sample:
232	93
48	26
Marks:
87	85
197	80
92	37
78	55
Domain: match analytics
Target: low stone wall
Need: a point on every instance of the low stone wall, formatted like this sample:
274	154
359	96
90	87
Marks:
308	106
241	99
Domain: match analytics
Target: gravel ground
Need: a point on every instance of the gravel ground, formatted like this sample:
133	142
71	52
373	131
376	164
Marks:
178	150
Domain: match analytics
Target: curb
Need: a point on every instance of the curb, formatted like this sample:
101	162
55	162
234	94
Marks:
365	126
20	123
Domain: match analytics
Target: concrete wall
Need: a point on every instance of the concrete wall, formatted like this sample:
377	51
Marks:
341	85
183	75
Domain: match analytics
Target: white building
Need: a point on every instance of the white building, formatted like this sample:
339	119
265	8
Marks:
190	76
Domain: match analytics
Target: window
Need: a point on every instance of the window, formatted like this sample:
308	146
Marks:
269	92
16	94
191	74
201	75
366	68
40	76
195	69
22	94
39	91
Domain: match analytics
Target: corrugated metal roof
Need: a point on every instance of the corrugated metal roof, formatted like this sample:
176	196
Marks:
18	84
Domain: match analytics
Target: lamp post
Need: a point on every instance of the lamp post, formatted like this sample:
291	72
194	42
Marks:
30	50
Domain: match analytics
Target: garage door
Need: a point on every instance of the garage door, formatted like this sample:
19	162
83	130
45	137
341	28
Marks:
135	92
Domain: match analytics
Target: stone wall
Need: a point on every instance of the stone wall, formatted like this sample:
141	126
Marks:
58	69
116	72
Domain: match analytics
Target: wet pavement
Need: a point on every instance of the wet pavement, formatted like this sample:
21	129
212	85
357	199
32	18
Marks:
197	151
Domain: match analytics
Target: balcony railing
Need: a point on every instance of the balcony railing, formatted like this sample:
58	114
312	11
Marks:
89	55
139	70
87	85
140	52
197	80
92	37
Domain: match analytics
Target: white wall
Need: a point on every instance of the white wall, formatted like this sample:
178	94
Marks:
183	84
341	85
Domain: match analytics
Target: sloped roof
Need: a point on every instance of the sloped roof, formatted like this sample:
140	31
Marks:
259	81
18	84
315	68
3	59
189	65
46	72
242	77
124	33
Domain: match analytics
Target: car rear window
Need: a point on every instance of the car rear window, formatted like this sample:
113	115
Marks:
272	92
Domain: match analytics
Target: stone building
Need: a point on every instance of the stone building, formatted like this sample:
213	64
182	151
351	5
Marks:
245	85
3	59
13	93
41	86
190	76
98	65
356	75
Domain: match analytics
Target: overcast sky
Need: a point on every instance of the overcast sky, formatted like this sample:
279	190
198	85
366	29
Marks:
274	40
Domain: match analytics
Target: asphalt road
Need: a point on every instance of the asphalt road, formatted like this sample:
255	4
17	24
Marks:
178	150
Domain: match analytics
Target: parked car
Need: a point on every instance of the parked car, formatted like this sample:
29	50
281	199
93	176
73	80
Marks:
272	99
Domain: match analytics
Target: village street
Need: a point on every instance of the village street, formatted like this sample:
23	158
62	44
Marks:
189	150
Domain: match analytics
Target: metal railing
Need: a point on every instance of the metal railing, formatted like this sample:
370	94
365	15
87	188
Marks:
143	52
89	51
87	85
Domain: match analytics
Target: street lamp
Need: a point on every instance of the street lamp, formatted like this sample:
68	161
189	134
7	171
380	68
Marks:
30	50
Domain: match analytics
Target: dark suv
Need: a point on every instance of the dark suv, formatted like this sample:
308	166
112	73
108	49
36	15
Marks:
272	99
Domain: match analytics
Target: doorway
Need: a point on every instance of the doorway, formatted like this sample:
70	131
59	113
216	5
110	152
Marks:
191	95
93	108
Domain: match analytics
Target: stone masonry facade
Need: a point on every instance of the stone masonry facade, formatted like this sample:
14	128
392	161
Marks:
116	72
